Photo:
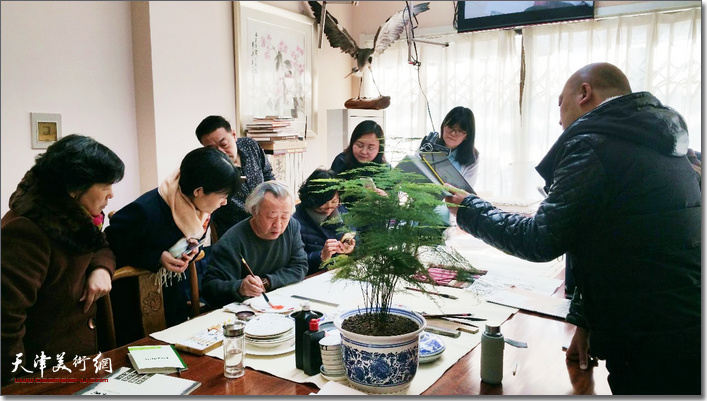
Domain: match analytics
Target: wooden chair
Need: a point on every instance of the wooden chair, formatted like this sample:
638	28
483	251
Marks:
150	303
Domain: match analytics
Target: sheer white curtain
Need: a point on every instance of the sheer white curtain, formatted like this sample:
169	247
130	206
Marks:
480	71
659	52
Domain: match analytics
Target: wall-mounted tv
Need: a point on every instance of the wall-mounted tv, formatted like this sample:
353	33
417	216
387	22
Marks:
482	15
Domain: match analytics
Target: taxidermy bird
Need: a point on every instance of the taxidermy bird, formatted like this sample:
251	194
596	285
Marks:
387	33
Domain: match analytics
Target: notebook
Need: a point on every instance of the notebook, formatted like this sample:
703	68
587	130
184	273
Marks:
156	359
126	381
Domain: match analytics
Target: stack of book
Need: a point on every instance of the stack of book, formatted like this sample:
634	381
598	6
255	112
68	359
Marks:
271	128
285	146
156	359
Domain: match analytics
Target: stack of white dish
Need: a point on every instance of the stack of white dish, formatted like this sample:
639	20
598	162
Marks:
269	335
332	360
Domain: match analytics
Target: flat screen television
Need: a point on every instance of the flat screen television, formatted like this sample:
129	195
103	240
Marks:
482	15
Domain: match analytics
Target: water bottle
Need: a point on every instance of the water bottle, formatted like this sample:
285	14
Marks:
233	350
492	344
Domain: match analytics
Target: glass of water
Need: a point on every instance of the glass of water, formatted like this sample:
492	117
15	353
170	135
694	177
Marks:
233	350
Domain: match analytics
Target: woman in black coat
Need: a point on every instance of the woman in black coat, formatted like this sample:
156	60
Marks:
319	205
153	231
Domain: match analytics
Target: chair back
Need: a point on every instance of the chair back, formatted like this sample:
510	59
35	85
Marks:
140	303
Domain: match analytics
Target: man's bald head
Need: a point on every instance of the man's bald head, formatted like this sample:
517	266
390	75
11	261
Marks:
588	88
607	80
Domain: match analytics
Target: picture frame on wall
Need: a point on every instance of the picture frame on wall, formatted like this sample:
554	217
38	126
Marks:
46	129
275	65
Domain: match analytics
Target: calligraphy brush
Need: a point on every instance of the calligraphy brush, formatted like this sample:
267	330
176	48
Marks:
264	296
468	316
431	292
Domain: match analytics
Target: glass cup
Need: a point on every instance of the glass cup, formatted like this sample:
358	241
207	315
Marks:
234	350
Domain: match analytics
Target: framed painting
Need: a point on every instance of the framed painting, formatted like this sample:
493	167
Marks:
46	129
275	69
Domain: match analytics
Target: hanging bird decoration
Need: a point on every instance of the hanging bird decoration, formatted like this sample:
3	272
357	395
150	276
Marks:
387	33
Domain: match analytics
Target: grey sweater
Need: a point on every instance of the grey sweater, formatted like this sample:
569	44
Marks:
283	261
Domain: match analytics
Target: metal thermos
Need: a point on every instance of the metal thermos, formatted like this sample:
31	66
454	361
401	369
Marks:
492	344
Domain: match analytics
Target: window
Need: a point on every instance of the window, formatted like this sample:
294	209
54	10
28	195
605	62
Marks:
659	52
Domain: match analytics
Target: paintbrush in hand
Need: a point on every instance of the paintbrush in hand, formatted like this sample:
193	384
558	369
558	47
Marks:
264	296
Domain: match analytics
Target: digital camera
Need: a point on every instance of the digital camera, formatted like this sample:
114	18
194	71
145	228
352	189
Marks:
429	144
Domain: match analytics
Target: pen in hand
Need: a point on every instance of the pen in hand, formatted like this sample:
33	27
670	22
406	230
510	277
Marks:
439	294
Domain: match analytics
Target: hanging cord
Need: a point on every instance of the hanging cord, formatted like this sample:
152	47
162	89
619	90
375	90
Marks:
414	61
427	102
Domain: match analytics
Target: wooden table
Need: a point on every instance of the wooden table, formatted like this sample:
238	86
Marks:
542	369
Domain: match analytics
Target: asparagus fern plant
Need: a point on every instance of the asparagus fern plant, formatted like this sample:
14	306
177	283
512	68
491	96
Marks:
394	233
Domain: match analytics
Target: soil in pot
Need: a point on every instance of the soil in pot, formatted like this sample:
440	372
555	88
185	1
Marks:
375	324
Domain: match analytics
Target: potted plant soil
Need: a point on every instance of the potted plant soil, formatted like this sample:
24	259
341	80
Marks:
379	340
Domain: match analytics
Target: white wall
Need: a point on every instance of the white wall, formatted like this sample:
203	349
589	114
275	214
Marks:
72	58
141	89
193	73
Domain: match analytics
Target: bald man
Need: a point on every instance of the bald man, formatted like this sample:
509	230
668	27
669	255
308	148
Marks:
625	204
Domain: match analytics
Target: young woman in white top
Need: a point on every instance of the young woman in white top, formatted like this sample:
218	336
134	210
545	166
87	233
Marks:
458	132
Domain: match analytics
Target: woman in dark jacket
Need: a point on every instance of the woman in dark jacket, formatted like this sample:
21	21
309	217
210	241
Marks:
367	145
366	148
55	259
153	232
319	202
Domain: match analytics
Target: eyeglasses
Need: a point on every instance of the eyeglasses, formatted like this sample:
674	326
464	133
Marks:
454	131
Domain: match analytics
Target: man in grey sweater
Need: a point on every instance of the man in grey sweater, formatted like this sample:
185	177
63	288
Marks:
269	242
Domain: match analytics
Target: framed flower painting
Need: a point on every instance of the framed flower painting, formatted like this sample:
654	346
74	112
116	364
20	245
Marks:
275	71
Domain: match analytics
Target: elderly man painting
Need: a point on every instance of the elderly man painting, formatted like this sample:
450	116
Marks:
270	243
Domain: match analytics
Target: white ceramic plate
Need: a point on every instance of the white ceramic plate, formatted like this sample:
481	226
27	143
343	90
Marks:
289	304
431	347
285	348
268	326
271	342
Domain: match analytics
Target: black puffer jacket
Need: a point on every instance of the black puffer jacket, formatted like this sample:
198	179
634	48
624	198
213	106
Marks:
625	203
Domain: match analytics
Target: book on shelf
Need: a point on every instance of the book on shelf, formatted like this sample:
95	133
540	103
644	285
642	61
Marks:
288	144
273	118
436	168
269	125
127	381
259	129
156	359
271	137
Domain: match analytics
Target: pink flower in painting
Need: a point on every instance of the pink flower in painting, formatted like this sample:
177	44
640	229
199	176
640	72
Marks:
282	47
300	69
267	54
300	51
262	42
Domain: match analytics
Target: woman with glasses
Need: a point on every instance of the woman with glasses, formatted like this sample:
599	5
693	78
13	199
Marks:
458	133
367	145
319	205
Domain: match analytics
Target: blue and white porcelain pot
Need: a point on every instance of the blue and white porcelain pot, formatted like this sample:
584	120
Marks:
380	364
